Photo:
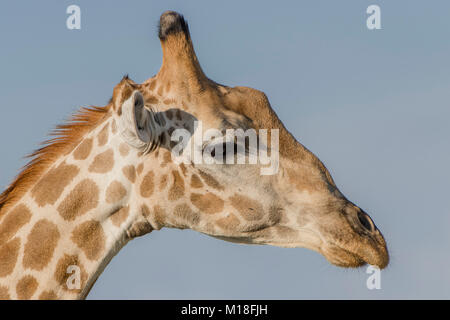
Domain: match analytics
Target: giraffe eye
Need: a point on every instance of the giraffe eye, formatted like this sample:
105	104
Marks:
224	149
231	147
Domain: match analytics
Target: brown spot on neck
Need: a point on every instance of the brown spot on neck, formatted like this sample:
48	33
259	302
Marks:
4	293
249	209
188	217
16	219
157	216
8	256
163	182
103	135
183	169
26	287
208	203
103	162
90	237
80	200
196	182
115	192
177	189
114	127
167	158
230	222
61	275
48	295
147	185
83	150
210	181
119	217
41	244
124	149
130	173
52	184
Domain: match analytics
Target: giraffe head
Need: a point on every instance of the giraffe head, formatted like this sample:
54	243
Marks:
294	204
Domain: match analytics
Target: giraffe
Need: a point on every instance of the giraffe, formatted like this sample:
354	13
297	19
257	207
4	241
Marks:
109	176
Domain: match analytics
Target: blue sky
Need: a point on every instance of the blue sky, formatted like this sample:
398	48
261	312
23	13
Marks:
372	105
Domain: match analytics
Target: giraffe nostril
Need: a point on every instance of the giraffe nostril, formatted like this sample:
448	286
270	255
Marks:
365	221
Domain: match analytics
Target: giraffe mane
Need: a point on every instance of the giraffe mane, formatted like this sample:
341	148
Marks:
65	137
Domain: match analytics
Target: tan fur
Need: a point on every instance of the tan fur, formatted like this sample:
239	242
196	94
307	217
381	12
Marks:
103	162
176	191
103	135
83	197
115	192
90	237
52	184
124	149
249	209
26	287
67	136
208	203
8	256
83	150
48	295
196	182
148	185
185	213
16	219
210	181
120	216
130	173
4	294
230	222
61	275
40	245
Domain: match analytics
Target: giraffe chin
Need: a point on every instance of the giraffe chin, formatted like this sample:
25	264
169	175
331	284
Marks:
344	258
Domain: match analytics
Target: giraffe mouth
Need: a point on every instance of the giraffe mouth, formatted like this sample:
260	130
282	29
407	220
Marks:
360	256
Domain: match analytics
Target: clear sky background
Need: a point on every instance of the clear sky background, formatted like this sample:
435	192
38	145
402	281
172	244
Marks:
374	106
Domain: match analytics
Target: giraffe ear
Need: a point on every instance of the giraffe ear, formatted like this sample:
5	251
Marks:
136	123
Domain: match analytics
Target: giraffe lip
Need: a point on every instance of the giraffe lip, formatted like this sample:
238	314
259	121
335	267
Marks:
342	257
352	260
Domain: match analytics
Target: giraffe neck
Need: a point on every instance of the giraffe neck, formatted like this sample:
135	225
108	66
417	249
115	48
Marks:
69	225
